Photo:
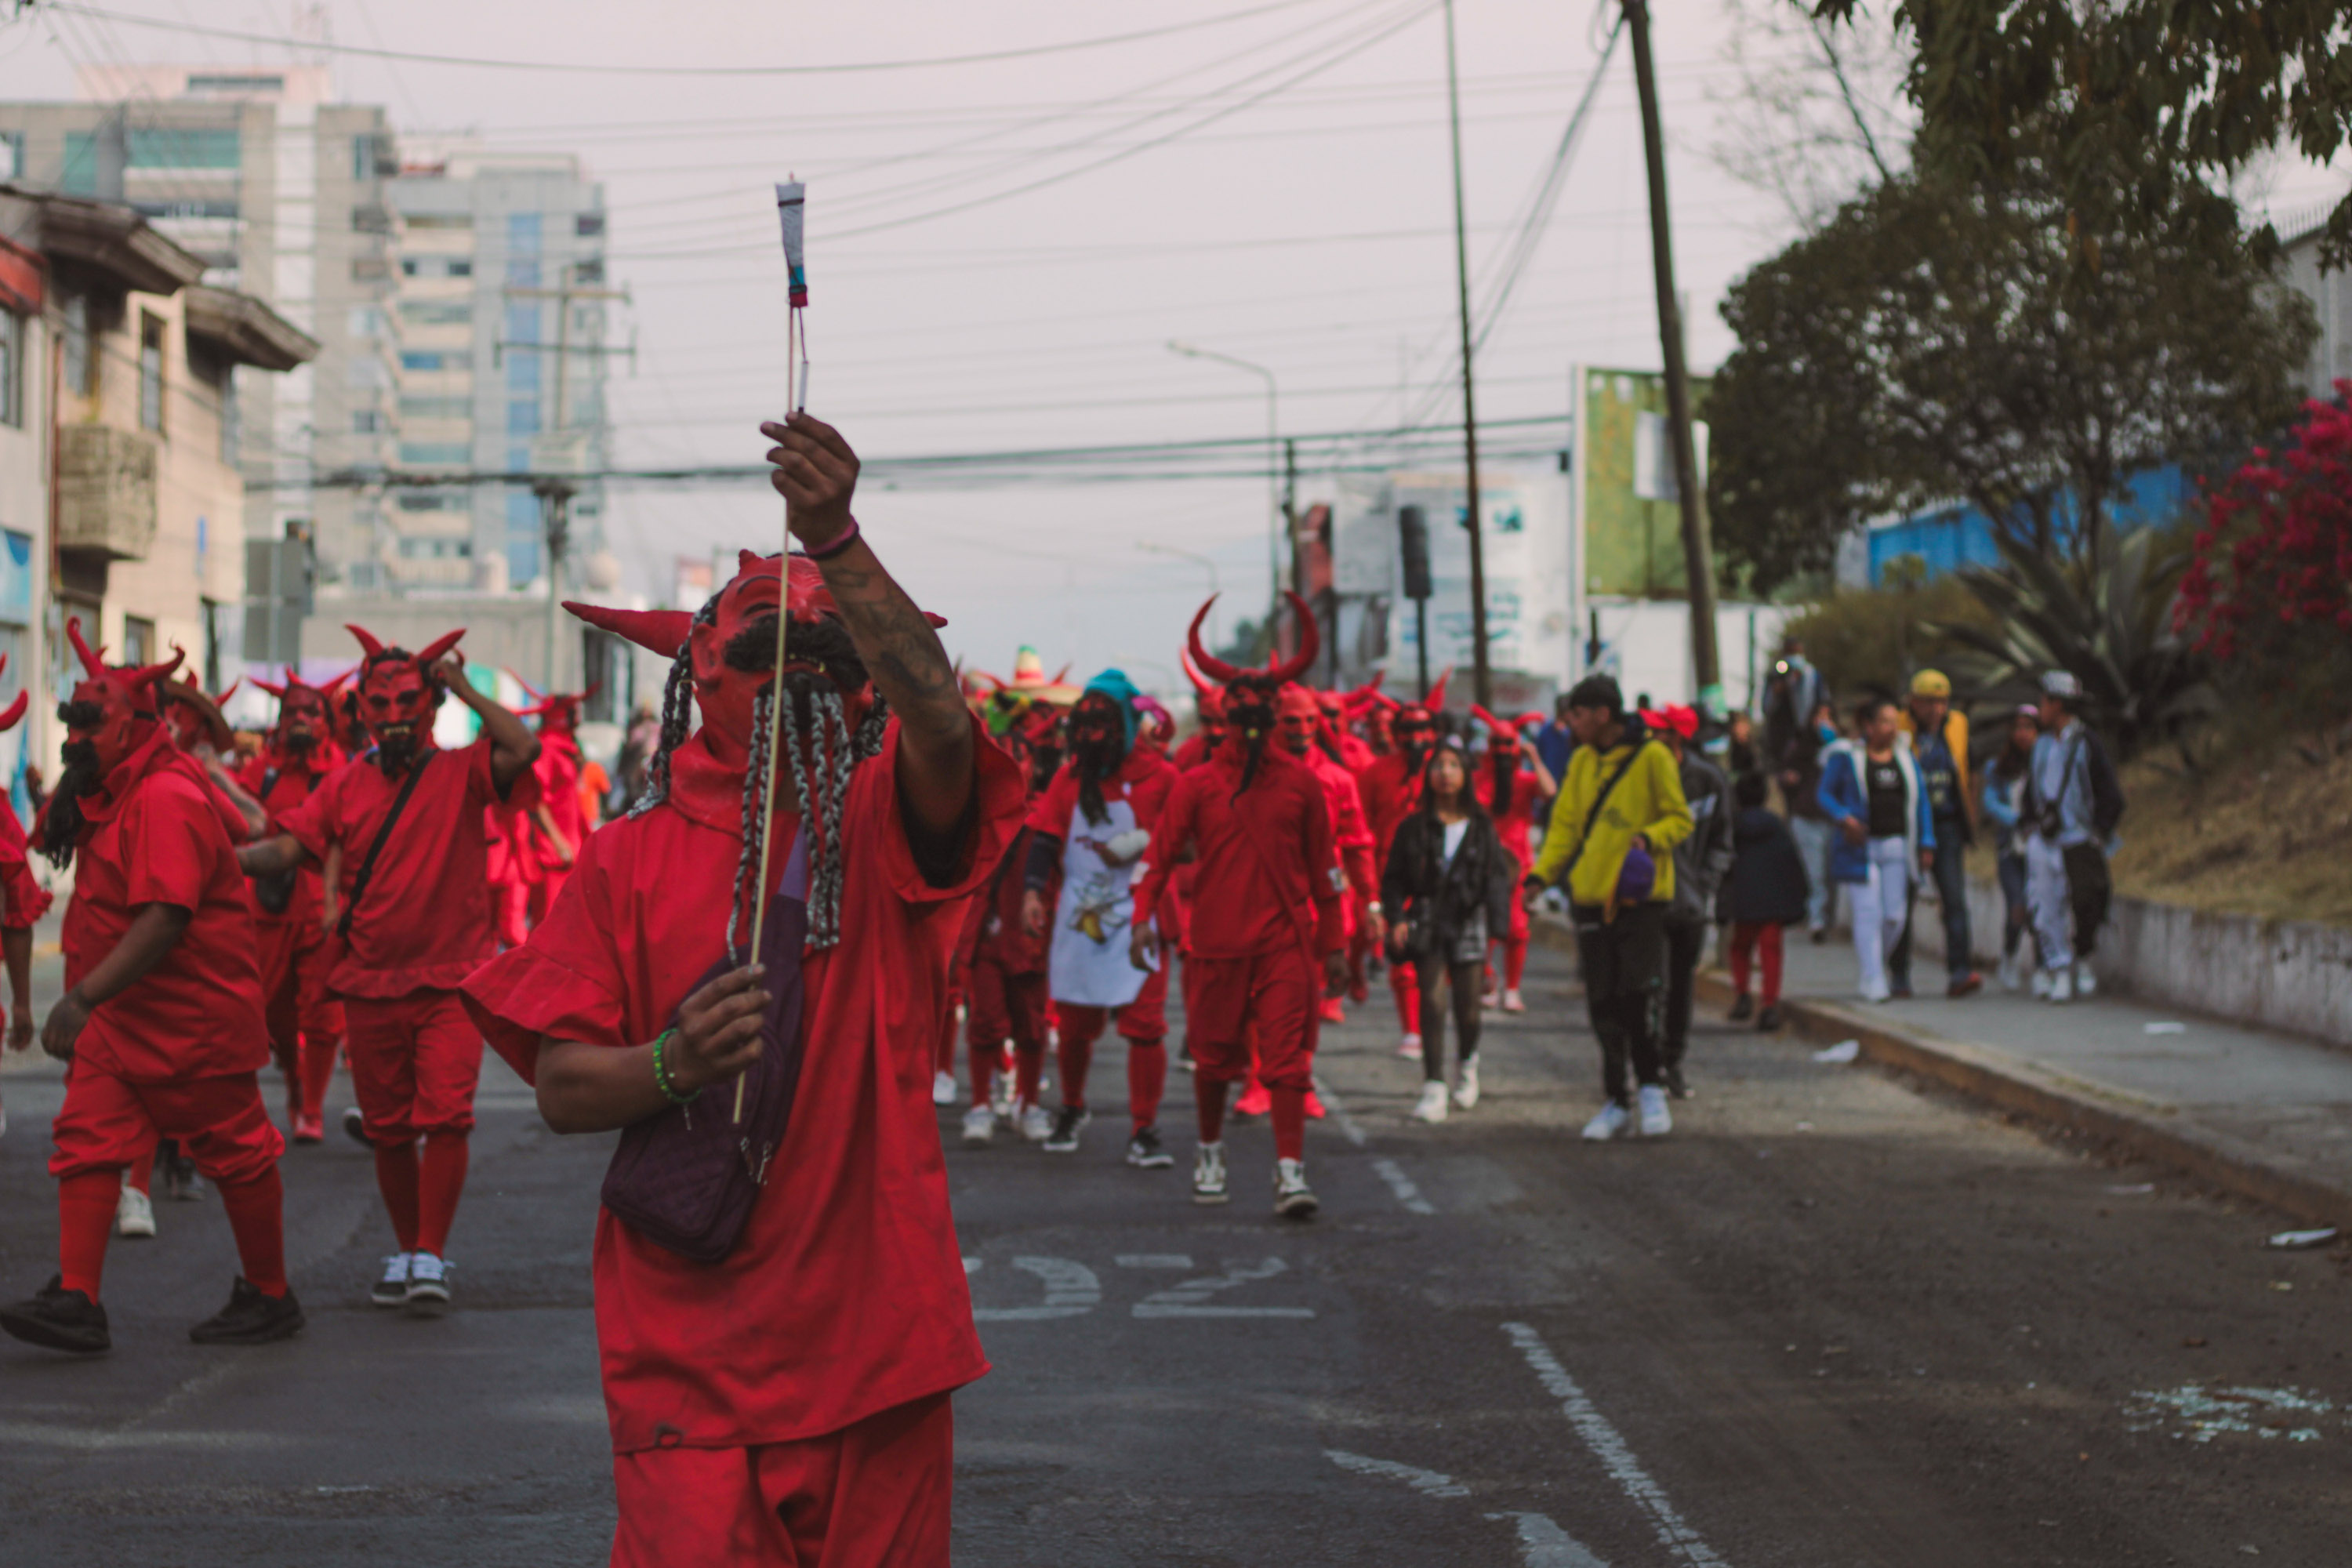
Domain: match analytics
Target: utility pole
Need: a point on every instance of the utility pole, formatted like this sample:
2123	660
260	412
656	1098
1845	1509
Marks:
555	493
1699	549
1482	679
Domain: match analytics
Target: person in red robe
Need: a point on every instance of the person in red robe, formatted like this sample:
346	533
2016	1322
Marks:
414	921
23	902
1089	831
1266	917
1003	968
1513	787
1209	709
778	1377
161	1021
1303	726
306	1022
559	825
1391	788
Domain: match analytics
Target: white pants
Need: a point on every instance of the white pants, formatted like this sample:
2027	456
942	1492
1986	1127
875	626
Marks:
2049	901
1881	905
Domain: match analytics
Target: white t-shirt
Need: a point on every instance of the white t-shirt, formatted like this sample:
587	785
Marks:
1455	832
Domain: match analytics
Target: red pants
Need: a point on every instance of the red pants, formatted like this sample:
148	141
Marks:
1280	992
875	1495
220	1123
1143	1025
415	1060
1406	985
305	1022
1765	939
998	1006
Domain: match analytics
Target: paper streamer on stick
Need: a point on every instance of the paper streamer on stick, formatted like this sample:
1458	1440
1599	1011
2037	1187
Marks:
792	199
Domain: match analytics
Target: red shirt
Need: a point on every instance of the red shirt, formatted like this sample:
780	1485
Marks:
425	922
1391	788
991	922
1352	834
23	899
154	837
1514	824
296	776
845	1295
1192	753
1269	873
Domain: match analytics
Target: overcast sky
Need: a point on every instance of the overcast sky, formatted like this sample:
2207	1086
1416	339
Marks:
1308	232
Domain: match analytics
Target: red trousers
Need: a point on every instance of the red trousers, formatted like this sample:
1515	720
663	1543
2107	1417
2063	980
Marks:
415	1060
306	1024
998	1006
1143	1025
1763	938
220	1123
1406	984
1281	992
875	1495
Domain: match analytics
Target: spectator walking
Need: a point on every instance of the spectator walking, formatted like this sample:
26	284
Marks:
2004	795
1871	786
1764	893
1815	832
1447	888
1939	744
1790	697
1741	755
1619	814
1700	862
2071	808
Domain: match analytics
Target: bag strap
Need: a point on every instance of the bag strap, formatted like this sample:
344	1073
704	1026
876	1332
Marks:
1585	835
367	865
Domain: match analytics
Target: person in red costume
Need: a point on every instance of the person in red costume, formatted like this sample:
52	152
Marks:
1209	708
23	902
1513	787
161	1021
1265	916
306	1022
559	824
1088	832
1003	966
1391	789
414	921
777	1371
1302	724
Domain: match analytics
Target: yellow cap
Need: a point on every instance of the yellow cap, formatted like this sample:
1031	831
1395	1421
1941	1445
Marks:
1931	683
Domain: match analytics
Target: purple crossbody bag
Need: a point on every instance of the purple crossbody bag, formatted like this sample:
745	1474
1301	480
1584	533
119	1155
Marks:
686	1179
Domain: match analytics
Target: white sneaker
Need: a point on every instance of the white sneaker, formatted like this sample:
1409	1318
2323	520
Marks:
1432	1102
2061	985
133	1213
1001	1089
428	1281
1878	992
1465	1085
1036	1123
1512	1003
1409	1047
1292	1198
943	1089
978	1127
391	1291
1610	1122
2042	985
2085	982
1209	1173
1656	1120
2009	972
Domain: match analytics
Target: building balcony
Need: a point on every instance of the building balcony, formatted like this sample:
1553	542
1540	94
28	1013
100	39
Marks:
106	491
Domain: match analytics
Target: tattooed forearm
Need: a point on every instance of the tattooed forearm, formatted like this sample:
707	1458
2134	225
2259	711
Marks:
901	651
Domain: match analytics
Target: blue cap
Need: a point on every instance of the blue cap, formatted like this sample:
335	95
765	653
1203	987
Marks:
1115	685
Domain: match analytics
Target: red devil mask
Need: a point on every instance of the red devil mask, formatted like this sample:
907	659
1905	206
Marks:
1298	719
305	714
193	716
398	694
558	712
14	712
112	709
1250	693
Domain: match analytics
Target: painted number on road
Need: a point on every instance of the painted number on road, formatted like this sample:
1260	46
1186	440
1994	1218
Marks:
1199	1298
1071	1290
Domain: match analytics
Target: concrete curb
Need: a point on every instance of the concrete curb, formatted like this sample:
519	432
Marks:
2129	1123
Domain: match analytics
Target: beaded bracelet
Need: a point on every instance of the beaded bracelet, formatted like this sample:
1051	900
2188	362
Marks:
661	1073
837	545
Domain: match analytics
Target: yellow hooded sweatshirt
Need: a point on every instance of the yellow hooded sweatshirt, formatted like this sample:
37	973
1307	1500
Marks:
1648	800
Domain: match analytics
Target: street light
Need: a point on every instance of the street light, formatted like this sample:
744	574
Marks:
1272	470
1214	590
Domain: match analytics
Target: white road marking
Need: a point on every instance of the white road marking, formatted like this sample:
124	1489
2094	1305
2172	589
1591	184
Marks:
1543	1544
1153	1260
1429	1483
1402	1186
1609	1448
970	1266
1355	1135
1071	1290
1186	1300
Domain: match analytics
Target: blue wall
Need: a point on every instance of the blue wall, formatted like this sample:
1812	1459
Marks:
1953	537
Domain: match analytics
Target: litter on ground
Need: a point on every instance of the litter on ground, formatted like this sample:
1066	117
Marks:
1844	1051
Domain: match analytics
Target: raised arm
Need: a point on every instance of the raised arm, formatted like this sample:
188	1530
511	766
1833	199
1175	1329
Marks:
513	748
816	473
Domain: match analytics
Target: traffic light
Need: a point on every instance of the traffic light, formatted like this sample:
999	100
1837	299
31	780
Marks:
1413	538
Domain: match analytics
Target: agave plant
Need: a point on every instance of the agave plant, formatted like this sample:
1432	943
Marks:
2108	618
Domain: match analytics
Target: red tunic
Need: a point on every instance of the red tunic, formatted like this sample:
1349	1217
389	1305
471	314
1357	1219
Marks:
1350	834
154	837
425	922
23	899
845	1295
1514	824
281	782
1268	869
1391	788
1192	753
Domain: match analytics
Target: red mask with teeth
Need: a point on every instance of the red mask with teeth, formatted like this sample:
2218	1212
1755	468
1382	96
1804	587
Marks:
398	695
303	716
114	710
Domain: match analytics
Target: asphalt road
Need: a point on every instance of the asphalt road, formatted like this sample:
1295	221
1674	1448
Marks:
1831	1320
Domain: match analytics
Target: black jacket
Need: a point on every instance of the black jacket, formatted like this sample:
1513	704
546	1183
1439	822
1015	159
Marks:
1443	903
1768	883
1702	859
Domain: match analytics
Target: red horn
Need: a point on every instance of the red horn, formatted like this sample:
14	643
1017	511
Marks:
15	710
220	699
1310	643
590	692
534	692
1213	666
436	647
92	664
155	672
270	686
1201	685
368	645
1435	700
663	631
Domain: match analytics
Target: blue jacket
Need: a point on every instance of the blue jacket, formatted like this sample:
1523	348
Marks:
1843	795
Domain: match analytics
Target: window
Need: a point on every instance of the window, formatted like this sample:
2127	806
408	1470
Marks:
522	272
437	408
365	321
138	640
522	373
12	361
440	220
522	417
589	271
432	501
437	267
150	378
12	155
159	148
436	312
522	323
367	422
200	82
522	231
435	548
588	224
79	175
81	365
436	453
522	560
460	360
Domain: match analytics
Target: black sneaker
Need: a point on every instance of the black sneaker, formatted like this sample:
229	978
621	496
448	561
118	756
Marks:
1743	1007
251	1318
58	1320
1676	1085
355	1127
1064	1138
1768	1020
1145	1150
181	1182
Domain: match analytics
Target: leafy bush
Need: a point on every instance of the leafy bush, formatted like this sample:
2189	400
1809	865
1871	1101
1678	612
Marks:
1864	639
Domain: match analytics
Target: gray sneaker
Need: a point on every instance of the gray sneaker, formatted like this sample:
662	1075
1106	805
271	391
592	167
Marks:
1209	1175
391	1291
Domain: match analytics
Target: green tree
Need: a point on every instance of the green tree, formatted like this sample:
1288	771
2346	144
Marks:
1934	340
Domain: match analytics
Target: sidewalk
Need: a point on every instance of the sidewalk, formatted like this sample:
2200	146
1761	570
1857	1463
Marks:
2266	1115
